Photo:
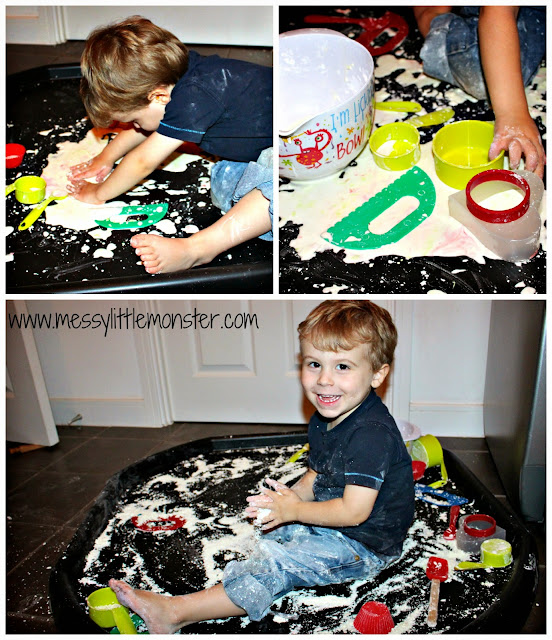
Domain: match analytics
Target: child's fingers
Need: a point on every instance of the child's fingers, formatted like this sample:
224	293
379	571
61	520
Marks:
277	486
74	187
514	151
534	160
77	168
80	170
259	501
101	175
496	147
264	498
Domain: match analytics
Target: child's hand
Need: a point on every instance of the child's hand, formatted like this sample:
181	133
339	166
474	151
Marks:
95	168
261	502
282	502
85	192
520	137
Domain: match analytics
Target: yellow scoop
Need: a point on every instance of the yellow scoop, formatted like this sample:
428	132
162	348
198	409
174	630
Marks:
36	212
429	119
106	611
495	553
398	106
298	454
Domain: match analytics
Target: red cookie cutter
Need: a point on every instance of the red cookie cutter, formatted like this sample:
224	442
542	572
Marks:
372	28
159	524
490	215
480	532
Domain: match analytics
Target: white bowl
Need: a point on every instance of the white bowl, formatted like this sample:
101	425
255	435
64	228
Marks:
409	432
326	105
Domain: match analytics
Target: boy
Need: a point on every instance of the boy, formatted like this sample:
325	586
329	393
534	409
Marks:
491	53
136	72
347	517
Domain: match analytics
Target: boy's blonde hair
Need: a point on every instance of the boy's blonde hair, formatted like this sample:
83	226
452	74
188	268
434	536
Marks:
344	325
124	62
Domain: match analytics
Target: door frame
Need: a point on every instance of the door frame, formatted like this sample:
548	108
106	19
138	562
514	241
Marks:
37	402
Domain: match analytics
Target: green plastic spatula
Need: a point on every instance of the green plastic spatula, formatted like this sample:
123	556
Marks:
153	213
353	232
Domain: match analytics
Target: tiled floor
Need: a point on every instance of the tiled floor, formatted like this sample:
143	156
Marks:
49	491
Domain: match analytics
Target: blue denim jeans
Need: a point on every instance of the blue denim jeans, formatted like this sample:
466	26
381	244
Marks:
231	181
451	49
297	555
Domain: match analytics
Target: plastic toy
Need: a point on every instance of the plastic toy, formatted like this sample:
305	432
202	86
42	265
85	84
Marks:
353	232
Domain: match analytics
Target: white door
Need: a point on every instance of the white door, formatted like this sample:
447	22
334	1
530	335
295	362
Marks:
28	414
249	373
34	25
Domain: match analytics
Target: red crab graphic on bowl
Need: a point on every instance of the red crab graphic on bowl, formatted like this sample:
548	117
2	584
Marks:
311	156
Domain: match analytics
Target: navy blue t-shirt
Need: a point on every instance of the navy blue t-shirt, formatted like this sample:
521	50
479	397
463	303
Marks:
366	449
224	106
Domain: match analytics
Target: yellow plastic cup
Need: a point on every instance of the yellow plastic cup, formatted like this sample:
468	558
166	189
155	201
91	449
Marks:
106	611
395	146
495	554
461	151
28	189
428	449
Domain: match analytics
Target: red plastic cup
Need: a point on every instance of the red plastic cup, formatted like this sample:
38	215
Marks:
374	617
418	469
14	154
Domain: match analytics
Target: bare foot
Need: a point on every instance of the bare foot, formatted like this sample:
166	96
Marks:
166	255
156	610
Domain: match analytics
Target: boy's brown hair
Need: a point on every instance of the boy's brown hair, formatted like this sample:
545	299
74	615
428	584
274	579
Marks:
124	62
344	325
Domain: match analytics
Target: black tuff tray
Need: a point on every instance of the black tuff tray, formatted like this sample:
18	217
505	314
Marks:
173	559
47	98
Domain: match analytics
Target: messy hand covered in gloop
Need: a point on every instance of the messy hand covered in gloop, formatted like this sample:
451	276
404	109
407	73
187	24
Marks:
519	137
281	501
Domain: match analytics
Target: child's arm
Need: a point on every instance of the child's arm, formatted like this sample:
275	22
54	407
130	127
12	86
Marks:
135	166
515	130
303	486
352	509
424	16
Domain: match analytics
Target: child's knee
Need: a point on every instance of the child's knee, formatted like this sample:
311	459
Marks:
451	53
225	176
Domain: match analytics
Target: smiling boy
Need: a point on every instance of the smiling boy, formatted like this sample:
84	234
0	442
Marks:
347	516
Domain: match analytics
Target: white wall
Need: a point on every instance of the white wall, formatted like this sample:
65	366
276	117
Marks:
106	380
217	25
449	358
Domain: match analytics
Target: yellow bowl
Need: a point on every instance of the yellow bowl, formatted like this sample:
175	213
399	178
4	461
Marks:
395	146
461	151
